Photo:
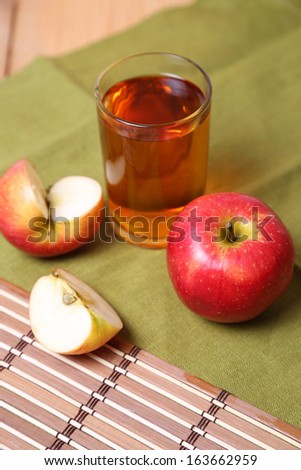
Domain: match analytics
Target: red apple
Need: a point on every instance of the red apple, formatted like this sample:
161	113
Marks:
229	256
48	223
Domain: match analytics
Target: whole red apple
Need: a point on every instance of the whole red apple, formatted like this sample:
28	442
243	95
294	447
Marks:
229	256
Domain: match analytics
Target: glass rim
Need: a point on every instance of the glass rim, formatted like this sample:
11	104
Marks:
201	110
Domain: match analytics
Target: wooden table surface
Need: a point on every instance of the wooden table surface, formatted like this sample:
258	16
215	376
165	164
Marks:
29	28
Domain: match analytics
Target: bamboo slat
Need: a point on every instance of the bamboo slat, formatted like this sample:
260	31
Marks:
118	397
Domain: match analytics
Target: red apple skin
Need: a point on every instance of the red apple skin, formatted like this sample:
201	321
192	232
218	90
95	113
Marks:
18	206
223	281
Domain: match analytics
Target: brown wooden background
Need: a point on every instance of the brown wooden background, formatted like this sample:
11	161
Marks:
29	28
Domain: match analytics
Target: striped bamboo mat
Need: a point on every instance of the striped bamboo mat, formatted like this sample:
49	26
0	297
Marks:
119	397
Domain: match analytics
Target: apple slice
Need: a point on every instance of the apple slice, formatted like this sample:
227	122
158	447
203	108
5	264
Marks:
68	317
48	222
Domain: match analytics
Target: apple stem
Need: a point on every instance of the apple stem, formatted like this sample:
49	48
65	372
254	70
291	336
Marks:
230	235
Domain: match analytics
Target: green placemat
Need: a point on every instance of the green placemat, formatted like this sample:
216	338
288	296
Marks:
250	49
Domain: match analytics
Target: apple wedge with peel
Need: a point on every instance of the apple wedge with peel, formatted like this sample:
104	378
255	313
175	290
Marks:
68	317
48	222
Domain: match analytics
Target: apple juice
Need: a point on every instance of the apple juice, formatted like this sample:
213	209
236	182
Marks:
155	152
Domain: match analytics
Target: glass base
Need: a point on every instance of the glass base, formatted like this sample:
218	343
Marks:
138	239
145	229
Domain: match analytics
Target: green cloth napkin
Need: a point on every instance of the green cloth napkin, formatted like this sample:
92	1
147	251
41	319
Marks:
250	49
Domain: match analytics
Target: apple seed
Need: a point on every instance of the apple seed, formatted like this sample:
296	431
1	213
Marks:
68	298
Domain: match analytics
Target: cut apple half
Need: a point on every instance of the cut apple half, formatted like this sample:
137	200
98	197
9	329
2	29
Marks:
74	196
68	317
48	222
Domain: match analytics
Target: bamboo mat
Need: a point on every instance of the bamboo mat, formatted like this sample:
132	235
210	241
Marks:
119	397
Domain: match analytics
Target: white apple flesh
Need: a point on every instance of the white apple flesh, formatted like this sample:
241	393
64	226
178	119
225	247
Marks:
48	223
229	256
68	317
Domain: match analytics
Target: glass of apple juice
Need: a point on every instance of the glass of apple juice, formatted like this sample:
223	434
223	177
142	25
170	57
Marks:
153	113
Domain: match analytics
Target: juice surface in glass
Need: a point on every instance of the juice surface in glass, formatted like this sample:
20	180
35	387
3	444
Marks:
155	147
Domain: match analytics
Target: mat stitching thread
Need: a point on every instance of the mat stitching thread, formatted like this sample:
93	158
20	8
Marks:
10	356
222	396
96	396
203	423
